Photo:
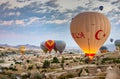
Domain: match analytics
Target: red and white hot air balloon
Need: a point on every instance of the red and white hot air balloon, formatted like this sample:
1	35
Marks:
90	30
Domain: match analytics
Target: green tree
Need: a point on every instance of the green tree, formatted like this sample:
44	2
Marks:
55	60
46	64
28	61
30	67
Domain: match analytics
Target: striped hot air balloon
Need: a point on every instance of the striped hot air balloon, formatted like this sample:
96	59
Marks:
90	30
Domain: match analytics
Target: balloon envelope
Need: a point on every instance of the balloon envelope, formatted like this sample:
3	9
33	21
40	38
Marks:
111	40
42	46
60	46
101	8
90	30
49	44
22	49
103	49
117	43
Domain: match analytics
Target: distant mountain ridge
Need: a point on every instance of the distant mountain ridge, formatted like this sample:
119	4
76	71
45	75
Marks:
110	47
5	45
28	46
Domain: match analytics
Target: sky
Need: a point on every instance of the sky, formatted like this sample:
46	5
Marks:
34	21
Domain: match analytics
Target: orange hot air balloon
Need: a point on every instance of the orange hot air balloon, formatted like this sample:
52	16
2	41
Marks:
90	30
22	49
49	44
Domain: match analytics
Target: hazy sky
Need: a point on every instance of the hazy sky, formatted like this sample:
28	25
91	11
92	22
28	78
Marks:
33	21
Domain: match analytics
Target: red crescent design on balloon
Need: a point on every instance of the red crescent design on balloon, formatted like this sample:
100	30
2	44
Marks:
97	33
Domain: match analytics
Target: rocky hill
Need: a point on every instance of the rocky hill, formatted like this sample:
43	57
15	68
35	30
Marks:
28	46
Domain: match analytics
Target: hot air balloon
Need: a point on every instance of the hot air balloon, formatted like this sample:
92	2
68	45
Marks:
103	49
22	49
60	46
90	30
111	40
117	44
101	8
49	44
42	46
